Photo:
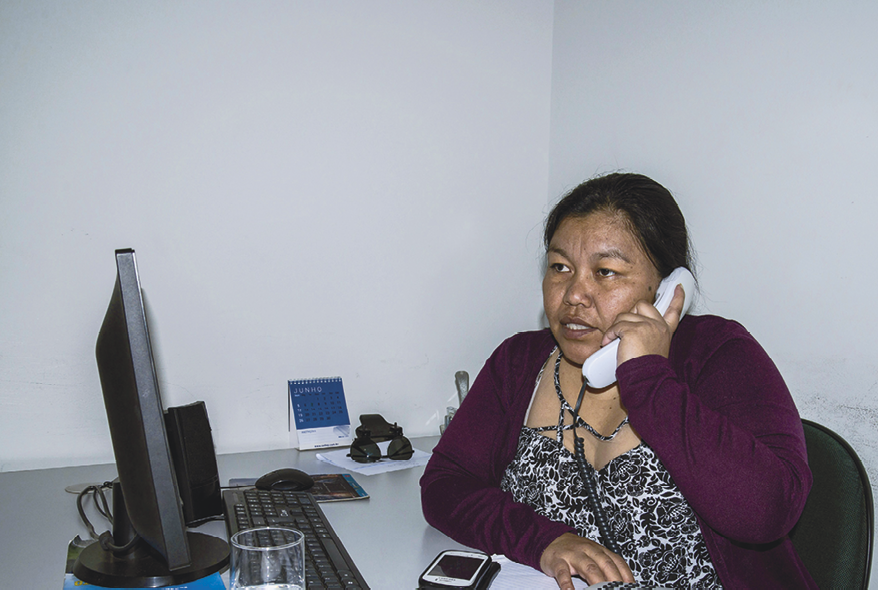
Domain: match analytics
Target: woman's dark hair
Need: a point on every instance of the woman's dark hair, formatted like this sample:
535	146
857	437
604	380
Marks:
650	211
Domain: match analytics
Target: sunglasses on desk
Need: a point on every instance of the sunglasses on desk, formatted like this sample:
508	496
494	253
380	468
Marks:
365	450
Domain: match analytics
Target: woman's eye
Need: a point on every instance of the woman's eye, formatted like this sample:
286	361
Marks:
559	267
606	272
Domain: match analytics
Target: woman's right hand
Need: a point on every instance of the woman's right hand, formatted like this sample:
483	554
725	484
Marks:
570	554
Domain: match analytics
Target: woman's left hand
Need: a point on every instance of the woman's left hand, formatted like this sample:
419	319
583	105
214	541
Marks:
644	331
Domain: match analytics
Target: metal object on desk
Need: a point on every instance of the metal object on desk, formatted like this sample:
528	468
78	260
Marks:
461	382
449	414
78	488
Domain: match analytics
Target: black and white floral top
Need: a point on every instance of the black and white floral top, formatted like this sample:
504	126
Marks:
655	528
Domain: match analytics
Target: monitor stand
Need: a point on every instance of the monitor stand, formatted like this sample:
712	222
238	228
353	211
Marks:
141	566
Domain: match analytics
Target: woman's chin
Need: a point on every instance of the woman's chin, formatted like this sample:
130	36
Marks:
576	353
577	345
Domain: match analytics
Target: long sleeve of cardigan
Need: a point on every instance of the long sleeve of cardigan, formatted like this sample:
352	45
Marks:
726	429
460	489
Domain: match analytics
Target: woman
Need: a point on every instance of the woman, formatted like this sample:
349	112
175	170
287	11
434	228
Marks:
696	453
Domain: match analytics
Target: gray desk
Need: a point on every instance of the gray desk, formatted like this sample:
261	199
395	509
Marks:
386	535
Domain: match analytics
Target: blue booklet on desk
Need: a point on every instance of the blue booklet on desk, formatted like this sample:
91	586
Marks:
71	582
319	413
211	582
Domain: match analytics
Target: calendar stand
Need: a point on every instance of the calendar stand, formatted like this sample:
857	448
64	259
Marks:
319	413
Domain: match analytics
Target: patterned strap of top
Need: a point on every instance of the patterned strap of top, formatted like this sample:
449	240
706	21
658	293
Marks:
578	421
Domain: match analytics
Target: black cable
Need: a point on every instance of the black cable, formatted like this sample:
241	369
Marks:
97	491
588	480
106	541
106	538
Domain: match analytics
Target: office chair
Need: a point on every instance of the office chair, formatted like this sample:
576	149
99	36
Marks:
834	534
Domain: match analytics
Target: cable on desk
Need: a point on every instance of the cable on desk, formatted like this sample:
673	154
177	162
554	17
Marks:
105	538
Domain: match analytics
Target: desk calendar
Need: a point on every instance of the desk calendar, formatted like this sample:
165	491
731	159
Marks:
319	413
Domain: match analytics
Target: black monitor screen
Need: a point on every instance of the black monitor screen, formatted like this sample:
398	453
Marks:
136	416
147	480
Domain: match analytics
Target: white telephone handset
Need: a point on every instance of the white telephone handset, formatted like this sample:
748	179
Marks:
600	368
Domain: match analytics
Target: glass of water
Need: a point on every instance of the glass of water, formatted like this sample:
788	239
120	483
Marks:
268	558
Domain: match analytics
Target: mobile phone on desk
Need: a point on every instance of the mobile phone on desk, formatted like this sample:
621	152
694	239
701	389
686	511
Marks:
459	570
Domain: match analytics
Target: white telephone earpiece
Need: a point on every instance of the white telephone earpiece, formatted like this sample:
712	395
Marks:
599	369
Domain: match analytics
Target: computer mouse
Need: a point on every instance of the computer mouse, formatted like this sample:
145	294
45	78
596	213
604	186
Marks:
285	479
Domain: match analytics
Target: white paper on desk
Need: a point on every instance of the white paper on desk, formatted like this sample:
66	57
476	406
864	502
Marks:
341	459
515	576
327	436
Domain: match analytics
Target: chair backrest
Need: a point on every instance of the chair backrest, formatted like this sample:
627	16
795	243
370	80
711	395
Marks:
834	535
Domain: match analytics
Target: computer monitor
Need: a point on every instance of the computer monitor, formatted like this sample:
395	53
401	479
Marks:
150	545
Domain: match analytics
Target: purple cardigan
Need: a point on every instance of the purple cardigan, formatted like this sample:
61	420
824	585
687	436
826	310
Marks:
716	412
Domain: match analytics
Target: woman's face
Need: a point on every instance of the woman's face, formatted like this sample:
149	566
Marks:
596	269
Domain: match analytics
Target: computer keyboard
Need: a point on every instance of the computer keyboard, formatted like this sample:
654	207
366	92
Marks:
327	564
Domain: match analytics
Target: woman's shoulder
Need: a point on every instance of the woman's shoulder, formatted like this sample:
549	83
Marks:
702	335
524	347
712	325
532	341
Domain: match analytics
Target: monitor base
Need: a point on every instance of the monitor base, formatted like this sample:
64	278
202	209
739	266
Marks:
143	569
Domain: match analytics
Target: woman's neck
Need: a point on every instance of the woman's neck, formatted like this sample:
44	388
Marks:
597	403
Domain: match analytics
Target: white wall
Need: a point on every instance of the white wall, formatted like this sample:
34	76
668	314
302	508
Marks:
312	188
762	118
